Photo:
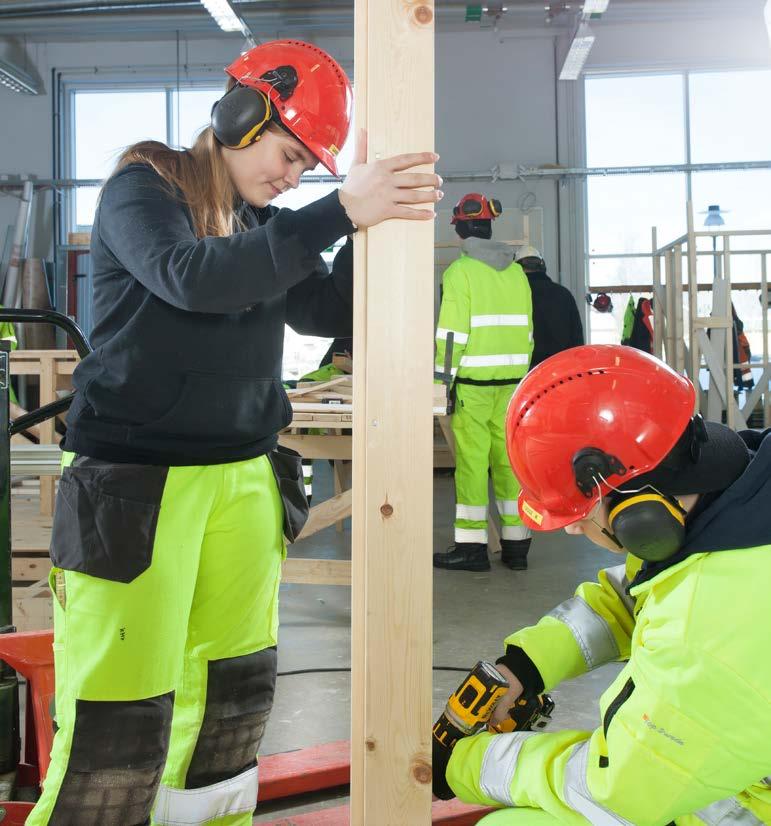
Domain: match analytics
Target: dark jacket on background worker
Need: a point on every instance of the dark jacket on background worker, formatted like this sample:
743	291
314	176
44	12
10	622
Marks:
556	321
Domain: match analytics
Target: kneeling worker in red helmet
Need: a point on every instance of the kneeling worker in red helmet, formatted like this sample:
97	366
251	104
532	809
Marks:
604	442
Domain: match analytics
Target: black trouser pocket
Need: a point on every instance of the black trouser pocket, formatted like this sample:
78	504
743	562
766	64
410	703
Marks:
287	468
106	517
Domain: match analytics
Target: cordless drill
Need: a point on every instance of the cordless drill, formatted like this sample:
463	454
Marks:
468	711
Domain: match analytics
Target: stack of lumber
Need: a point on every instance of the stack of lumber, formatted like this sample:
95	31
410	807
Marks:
323	403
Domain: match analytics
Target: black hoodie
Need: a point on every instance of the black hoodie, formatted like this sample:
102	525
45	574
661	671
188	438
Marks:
189	332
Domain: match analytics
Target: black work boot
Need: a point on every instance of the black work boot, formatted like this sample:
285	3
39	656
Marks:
464	556
514	553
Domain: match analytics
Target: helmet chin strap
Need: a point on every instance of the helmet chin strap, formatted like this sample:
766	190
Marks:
605	532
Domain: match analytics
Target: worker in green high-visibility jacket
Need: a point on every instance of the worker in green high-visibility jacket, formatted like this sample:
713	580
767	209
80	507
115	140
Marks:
487	315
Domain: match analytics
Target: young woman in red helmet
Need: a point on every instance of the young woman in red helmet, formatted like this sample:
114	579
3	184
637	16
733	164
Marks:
170	520
605	443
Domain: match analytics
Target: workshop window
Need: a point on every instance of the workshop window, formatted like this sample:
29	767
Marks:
104	122
660	120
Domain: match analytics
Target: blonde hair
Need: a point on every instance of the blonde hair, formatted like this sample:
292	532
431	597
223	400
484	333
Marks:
199	174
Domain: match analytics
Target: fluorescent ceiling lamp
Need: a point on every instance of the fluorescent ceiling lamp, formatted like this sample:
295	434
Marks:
17	80
579	52
595	6
223	13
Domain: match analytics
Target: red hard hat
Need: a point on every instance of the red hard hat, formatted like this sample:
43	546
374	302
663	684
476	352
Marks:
318	109
476	207
616	402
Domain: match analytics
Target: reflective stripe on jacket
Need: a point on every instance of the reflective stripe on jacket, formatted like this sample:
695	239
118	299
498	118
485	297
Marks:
489	314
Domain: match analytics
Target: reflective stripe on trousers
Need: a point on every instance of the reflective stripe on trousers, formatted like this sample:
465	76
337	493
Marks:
499	765
195	807
727	813
577	795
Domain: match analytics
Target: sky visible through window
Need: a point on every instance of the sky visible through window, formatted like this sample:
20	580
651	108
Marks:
641	120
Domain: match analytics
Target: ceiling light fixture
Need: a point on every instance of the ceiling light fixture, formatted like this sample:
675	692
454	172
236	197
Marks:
17	80
583	40
595	7
226	18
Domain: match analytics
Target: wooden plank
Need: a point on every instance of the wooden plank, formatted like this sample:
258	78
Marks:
315	386
311	407
30	530
393	436
358	522
318	446
327	513
316	571
29	568
32	607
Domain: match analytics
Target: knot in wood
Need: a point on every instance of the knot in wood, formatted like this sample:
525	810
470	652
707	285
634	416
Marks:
421	771
370	744
387	510
424	15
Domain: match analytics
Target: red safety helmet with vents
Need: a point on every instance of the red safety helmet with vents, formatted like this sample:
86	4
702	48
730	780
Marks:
476	207
616	403
314	102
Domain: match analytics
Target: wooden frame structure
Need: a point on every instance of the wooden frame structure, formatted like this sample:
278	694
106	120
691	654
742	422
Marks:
391	614
689	347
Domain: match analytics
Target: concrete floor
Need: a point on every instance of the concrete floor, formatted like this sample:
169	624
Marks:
473	613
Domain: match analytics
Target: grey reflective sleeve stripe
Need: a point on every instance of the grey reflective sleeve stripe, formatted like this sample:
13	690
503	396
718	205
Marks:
620	581
591	631
727	813
499	765
577	795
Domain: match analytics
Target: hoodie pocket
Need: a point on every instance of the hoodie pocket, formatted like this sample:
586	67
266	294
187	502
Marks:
222	409
106	518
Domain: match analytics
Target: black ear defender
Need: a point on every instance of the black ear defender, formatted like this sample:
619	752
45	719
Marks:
240	116
648	524
495	206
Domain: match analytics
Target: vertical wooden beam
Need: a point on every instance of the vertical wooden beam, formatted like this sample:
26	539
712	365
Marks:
693	308
764	305
669	286
679	354
393	436
730	406
658	308
47	428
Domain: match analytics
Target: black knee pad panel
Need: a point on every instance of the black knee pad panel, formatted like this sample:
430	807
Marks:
116	760
239	697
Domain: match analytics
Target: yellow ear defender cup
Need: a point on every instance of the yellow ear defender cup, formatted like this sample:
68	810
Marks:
240	116
649	525
495	206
